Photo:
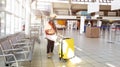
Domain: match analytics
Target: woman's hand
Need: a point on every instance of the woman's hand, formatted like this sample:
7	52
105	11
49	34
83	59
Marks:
50	31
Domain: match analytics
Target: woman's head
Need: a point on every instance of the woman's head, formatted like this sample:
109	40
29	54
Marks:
51	22
52	16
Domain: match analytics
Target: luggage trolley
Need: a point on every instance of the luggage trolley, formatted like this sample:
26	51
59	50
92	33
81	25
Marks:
66	48
35	32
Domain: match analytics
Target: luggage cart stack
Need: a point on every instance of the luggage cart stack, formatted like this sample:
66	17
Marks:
35	32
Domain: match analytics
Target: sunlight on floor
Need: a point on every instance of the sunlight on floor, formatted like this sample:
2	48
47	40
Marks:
75	60
78	48
110	65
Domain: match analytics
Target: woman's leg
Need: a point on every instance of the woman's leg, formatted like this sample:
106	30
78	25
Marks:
48	46
52	46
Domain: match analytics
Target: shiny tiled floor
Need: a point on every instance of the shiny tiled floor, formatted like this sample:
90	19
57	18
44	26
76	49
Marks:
89	52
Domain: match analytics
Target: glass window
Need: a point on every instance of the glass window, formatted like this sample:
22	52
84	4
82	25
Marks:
2	23
16	25
8	21
20	24
2	18
8	5
19	10
16	8
11	19
23	13
12	24
12	6
20	1
2	2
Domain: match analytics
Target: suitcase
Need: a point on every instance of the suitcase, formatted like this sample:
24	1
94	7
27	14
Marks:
66	48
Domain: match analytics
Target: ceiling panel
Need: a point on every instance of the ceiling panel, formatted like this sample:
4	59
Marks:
61	12
79	7
61	5
105	7
63	8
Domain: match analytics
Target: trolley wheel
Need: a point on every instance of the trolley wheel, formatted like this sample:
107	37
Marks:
60	58
64	60
8	64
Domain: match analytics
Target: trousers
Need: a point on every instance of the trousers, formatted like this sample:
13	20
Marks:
50	46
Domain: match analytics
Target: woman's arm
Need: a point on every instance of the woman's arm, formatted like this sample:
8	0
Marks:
50	31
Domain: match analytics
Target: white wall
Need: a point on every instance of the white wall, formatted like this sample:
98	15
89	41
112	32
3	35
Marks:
112	18
115	5
93	7
65	17
82	22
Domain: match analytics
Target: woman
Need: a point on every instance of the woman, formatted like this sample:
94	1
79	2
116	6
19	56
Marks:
50	31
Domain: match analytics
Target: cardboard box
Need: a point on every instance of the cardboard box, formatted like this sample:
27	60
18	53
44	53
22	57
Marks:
92	32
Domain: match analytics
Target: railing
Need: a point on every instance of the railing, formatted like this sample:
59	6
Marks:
84	0
105	1
100	1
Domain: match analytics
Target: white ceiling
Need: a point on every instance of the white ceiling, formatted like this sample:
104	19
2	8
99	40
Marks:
62	8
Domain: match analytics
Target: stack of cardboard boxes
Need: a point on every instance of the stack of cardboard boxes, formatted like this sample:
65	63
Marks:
92	32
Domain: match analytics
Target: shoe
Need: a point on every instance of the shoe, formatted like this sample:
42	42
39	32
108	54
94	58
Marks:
48	55
52	54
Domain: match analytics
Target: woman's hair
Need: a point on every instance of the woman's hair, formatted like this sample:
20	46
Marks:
51	22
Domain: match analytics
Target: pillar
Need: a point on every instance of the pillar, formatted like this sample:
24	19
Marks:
82	23
52	9
70	11
27	17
